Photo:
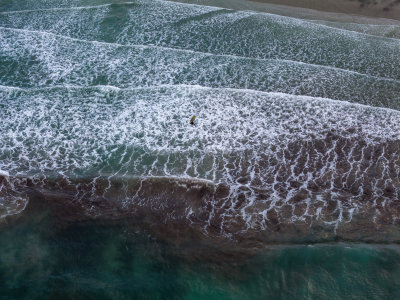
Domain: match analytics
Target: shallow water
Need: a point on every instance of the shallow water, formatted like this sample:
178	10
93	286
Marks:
107	191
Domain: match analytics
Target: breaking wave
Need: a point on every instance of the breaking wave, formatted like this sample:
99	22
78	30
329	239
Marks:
297	135
275	166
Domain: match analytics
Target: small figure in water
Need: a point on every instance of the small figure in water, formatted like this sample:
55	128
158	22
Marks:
192	120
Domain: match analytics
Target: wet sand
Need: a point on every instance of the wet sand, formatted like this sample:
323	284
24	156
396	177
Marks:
389	9
380	12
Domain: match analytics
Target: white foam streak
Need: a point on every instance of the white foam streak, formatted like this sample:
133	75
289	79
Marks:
234	56
110	110
313	22
59	8
4	173
284	96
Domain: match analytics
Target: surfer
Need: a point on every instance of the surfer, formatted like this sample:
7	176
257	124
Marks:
191	122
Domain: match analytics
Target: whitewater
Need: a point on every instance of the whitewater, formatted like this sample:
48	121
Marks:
297	120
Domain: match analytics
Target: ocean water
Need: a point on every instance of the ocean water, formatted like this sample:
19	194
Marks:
287	187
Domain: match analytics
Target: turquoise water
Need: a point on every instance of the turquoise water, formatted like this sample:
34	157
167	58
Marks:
110	261
286	188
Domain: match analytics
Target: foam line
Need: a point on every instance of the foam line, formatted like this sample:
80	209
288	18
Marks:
60	8
356	33
367	26
4	173
351	23
359	63
314	22
198	52
283	17
304	98
274	157
255	162
104	5
4	87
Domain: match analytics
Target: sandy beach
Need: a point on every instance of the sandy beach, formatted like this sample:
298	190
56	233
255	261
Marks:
380	12
389	9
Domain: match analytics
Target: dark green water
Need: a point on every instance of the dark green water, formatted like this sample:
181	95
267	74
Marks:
107	192
94	260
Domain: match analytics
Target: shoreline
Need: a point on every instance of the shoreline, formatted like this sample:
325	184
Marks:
347	11
386	9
